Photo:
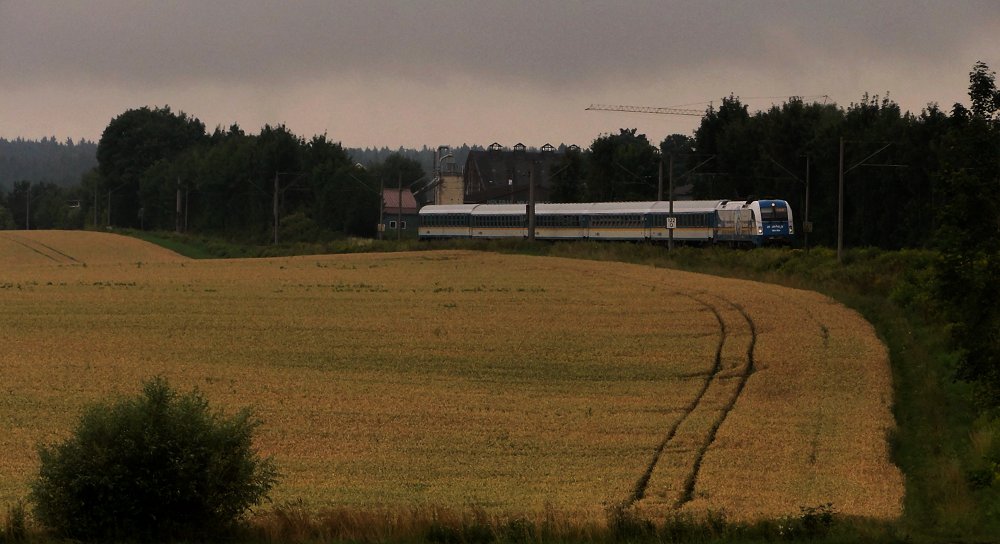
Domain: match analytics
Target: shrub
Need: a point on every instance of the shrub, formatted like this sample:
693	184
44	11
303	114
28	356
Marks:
155	467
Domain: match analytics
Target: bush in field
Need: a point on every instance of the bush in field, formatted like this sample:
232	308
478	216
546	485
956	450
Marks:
155	467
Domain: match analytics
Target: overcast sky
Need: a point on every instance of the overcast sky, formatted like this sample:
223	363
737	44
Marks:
413	73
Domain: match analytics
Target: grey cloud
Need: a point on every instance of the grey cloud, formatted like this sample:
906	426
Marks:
548	43
387	69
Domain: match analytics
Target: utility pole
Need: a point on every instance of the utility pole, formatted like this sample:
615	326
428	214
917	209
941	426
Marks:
659	182
806	225
27	207
670	232
276	194
840	205
399	209
177	208
531	203
381	207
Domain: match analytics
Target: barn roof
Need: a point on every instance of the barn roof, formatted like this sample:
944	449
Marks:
391	199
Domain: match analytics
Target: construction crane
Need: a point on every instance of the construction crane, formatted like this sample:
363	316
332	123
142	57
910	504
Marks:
646	109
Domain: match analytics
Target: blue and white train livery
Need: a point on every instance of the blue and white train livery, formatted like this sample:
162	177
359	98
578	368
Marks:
754	222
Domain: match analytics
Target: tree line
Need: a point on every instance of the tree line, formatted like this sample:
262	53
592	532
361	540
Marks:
157	169
897	165
897	171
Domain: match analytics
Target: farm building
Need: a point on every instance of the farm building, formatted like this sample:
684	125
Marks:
399	211
499	175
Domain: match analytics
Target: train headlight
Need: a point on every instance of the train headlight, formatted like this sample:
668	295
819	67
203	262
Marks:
760	230
791	228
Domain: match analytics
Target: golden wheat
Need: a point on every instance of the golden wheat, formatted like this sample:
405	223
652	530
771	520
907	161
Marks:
450	379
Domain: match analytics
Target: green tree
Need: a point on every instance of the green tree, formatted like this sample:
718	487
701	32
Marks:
969	237
877	125
729	134
89	190
678	150
223	192
6	219
622	167
157	467
344	197
19	204
568	177
131	144
982	91
55	207
397	167
764	155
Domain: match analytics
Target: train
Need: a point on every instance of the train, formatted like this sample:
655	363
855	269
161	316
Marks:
736	222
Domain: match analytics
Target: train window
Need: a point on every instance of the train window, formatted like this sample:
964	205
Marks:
498	221
443	220
617	220
558	220
774	213
692	220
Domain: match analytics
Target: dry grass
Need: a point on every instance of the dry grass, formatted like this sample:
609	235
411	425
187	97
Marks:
457	379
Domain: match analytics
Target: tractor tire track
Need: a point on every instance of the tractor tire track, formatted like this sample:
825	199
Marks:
692	479
640	487
814	439
59	256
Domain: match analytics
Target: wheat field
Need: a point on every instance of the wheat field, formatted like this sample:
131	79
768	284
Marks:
457	379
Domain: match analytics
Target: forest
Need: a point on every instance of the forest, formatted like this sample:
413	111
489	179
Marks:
45	160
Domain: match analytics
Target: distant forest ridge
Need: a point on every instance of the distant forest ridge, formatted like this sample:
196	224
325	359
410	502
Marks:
64	163
46	160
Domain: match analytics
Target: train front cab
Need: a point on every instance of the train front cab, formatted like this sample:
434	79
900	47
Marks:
775	224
